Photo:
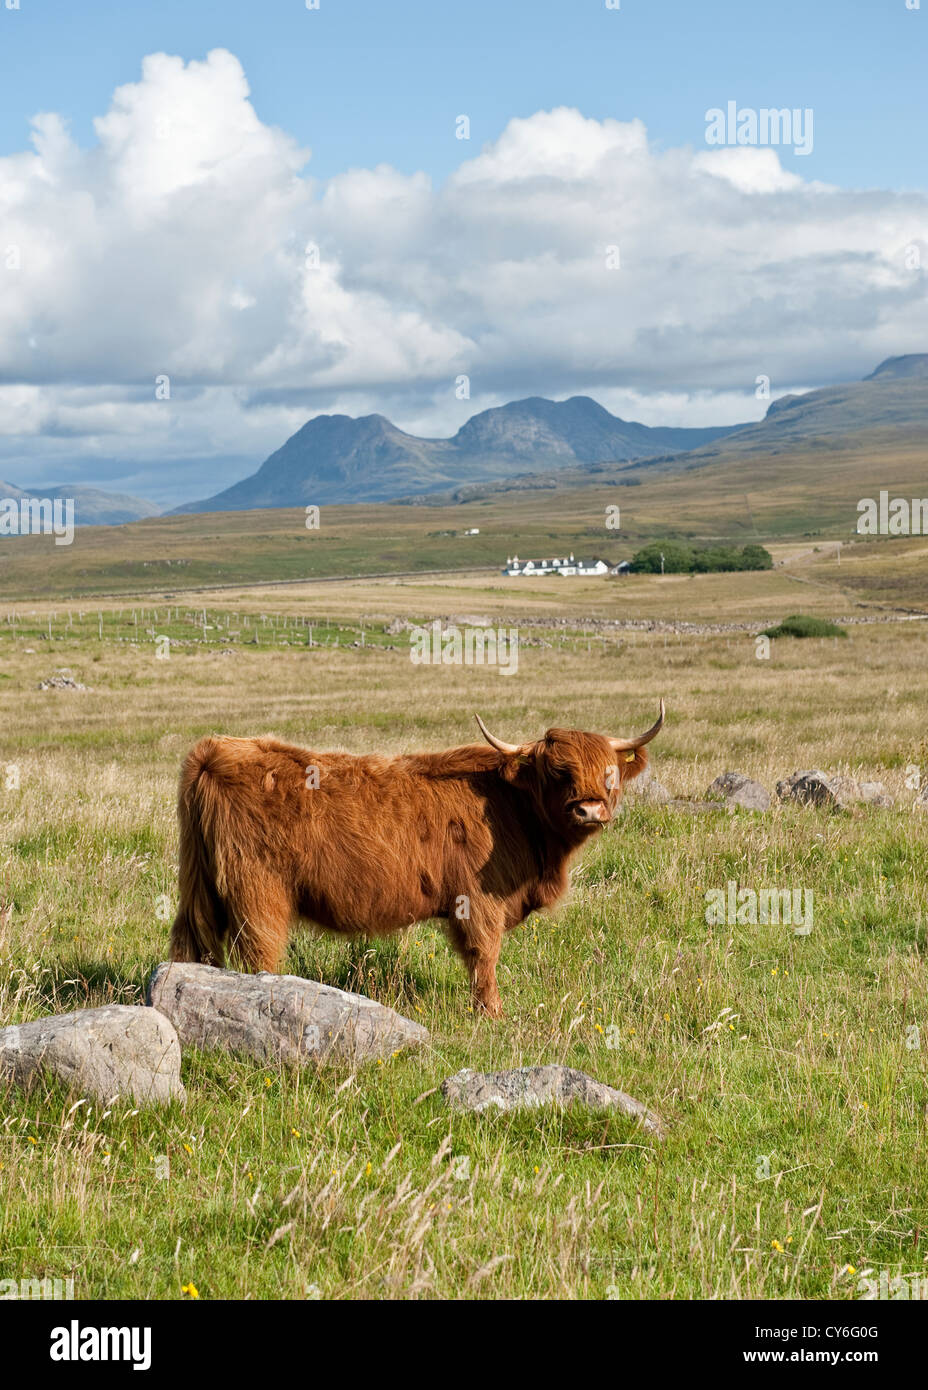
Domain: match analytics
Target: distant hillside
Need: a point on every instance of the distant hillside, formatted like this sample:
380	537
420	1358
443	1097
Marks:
92	506
902	368
893	398
335	458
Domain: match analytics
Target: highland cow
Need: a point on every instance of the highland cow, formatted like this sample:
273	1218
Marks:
479	836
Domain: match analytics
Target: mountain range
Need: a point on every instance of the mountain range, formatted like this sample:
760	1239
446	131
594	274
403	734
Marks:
533	442
335	458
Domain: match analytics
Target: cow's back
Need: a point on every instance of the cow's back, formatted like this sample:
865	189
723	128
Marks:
371	843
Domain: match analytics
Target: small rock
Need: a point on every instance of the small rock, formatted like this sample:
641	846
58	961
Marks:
119	1050
875	794
921	801
737	790
395	626
648	789
813	788
845	789
279	1018
529	1087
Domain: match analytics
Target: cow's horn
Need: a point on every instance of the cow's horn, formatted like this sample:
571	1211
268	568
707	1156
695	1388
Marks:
623	743
497	743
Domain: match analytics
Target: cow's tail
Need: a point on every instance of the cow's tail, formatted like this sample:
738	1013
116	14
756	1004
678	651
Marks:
201	922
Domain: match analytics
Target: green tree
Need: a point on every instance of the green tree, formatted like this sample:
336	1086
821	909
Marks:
678	559
685	559
755	557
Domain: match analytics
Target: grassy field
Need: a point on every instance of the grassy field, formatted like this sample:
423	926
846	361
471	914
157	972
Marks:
785	1066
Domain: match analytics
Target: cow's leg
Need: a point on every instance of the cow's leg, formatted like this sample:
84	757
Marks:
260	914
476	931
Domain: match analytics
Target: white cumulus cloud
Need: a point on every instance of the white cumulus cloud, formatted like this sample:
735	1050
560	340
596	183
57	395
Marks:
569	255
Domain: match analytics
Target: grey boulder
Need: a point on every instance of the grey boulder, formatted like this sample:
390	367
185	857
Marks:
875	794
846	790
121	1050
648	789
529	1087
278	1018
737	790
814	788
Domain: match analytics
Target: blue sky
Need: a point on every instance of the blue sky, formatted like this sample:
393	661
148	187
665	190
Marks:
171	240
367	81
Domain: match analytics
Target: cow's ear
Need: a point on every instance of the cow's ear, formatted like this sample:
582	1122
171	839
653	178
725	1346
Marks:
631	763
513	768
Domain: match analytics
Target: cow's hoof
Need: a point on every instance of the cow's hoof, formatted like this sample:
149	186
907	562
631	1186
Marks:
491	1008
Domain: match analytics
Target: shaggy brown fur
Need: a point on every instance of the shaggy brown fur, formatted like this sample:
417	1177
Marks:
478	837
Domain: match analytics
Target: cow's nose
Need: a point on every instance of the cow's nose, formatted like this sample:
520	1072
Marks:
594	810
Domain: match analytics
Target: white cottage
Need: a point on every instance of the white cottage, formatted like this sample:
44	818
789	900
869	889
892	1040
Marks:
564	565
